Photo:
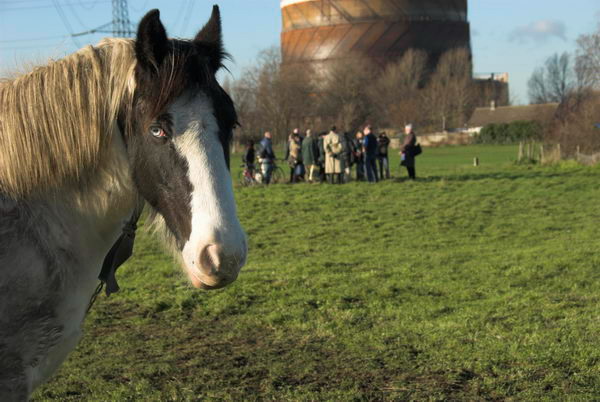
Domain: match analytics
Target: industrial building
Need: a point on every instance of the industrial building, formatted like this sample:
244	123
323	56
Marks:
318	32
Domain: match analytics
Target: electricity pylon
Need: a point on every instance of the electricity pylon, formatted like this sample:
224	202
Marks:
121	26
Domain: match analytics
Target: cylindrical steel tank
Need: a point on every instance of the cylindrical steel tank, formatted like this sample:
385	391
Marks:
318	31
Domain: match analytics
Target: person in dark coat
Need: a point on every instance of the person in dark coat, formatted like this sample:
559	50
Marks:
310	154
266	157
383	143
370	151
321	159
358	157
347	156
407	151
250	157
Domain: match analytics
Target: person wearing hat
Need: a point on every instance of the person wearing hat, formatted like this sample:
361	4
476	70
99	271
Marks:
407	151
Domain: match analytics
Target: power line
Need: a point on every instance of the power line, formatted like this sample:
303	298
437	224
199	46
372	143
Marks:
187	17
35	39
22	1
90	7
2	48
100	29
180	13
142	8
121	26
70	6
65	21
48	6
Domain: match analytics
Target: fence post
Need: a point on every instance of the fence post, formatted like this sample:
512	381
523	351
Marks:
577	156
541	154
559	152
520	151
475	161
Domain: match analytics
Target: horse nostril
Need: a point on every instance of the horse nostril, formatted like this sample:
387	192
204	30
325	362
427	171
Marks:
214	267
210	260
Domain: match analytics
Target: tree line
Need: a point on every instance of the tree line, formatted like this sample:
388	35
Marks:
573	81
273	97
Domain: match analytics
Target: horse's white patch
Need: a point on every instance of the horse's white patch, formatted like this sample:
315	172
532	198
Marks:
217	247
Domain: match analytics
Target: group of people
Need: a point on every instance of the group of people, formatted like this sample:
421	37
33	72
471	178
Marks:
332	156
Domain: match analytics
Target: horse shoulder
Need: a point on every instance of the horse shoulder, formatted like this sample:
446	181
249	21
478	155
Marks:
35	332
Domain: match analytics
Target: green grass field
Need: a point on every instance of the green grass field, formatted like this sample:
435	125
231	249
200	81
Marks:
469	284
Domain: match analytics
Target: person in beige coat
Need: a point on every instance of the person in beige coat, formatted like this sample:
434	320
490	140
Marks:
333	156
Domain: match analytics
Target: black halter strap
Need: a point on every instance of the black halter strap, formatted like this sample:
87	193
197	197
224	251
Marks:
120	251
123	247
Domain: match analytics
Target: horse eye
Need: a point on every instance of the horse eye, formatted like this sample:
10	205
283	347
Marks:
157	132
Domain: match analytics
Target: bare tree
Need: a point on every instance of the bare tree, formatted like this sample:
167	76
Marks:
269	96
587	60
575	125
395	93
343	96
449	95
553	82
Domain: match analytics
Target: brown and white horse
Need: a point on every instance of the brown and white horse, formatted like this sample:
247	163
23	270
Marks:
82	140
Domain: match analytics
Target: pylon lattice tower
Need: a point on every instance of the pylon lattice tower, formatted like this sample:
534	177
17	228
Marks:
121	26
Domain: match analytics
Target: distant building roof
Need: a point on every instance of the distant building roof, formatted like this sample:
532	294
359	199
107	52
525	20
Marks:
483	116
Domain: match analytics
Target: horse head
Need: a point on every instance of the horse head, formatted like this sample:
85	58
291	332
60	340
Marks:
177	131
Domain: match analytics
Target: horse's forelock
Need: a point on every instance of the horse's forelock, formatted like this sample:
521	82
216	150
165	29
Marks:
185	69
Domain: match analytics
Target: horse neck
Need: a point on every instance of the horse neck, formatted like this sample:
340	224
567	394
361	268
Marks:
95	212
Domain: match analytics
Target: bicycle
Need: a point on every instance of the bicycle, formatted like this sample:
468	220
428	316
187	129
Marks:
277	175
248	176
251	177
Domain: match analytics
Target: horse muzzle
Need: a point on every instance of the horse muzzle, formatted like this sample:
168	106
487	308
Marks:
214	265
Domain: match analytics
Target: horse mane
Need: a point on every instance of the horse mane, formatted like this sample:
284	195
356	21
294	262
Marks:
56	122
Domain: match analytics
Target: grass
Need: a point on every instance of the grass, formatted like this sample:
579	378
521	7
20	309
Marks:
469	284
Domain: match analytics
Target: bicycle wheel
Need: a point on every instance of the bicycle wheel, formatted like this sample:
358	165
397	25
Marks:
277	176
243	179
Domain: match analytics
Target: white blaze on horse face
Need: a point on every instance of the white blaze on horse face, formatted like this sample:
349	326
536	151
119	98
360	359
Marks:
217	247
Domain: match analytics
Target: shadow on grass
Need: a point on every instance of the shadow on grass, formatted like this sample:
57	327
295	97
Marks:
512	175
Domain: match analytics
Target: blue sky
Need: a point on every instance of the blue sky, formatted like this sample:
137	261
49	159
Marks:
513	36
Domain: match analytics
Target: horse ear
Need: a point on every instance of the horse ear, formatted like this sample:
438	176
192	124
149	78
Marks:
151	45
210	40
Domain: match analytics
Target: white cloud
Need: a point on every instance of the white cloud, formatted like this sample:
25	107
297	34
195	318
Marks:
539	31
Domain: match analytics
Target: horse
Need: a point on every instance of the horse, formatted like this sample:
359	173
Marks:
84	141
